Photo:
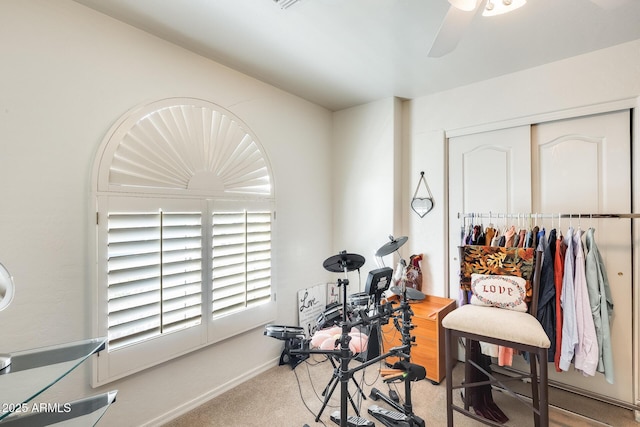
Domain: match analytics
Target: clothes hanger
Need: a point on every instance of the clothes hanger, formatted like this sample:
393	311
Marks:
560	226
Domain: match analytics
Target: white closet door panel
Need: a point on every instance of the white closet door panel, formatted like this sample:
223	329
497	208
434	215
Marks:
583	166
489	171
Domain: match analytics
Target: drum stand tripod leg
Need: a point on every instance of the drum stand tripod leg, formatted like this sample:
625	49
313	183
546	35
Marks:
330	387
342	374
336	376
328	390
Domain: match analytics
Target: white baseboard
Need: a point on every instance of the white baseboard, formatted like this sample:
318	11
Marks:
200	400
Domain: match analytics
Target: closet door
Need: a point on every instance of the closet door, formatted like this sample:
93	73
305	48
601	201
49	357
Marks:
488	172
583	166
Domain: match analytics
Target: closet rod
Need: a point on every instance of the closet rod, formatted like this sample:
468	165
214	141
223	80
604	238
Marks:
532	215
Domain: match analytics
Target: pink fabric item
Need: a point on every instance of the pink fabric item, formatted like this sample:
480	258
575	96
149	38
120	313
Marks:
359	342
323	334
505	356
510	235
318	338
329	339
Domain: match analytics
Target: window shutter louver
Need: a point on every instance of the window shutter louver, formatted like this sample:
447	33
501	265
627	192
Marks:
241	260
182	270
154	274
258	257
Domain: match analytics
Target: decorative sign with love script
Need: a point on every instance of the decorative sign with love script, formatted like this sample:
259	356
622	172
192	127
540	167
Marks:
311	303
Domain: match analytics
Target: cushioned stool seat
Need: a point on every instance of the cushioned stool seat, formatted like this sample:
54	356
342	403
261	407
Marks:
499	323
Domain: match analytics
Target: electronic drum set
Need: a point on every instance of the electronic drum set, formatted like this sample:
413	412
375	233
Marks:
366	310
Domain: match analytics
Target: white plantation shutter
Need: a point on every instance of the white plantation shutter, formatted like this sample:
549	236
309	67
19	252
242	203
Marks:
154	274
241	260
184	254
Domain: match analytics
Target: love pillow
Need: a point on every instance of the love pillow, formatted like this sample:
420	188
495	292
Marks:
491	290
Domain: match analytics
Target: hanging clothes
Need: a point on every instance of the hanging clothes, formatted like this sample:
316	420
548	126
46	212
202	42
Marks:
533	237
528	240
537	236
481	238
558	274
575	305
467	235
495	241
569	329
470	236
547	294
586	351
489	232
476	235
481	397
505	356
601	304
489	349
509	236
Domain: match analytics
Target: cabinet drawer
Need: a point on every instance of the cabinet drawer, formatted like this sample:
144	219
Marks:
425	328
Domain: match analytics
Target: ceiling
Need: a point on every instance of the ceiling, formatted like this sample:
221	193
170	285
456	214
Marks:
341	53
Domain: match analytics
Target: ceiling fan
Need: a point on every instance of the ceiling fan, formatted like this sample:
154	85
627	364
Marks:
459	17
462	12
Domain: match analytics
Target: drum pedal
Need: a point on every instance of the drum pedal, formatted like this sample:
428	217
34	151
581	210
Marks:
352	420
386	415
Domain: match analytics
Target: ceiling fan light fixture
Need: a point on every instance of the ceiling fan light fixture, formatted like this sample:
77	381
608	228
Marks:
498	7
466	5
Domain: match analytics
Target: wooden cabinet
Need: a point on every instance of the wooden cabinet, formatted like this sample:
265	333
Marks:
428	349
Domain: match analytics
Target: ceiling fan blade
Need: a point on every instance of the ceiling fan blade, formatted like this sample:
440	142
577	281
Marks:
453	26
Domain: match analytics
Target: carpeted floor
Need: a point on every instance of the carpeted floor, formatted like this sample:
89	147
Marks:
282	397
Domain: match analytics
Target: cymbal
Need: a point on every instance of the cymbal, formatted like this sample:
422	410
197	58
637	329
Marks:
392	246
337	263
411	293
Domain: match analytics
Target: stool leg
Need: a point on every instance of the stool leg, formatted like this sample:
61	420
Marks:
535	396
544	388
468	373
449	379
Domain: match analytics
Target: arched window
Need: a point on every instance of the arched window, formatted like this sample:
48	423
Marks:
185	221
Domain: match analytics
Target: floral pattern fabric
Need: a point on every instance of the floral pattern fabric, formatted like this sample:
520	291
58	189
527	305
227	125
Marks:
496	260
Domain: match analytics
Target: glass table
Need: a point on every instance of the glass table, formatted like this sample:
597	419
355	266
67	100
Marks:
31	372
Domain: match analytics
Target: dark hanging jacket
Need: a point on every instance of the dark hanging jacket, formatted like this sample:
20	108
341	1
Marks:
547	295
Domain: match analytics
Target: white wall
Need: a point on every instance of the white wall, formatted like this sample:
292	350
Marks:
366	178
600	77
67	74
